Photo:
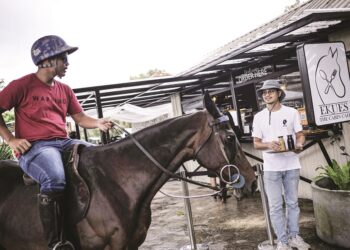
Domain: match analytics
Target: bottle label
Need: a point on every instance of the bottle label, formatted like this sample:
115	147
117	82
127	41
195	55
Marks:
282	143
290	142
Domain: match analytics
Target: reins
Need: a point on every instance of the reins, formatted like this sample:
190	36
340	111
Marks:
158	164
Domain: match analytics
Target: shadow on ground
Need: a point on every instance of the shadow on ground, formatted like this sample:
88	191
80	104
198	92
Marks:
235	225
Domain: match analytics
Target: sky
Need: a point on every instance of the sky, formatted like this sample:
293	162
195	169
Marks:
118	39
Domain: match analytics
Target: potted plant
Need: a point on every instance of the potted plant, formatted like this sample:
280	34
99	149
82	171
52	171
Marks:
331	200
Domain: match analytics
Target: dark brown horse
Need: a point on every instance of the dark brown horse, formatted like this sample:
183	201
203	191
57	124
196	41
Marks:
122	182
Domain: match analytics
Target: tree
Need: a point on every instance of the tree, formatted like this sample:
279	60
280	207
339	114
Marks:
150	74
292	6
5	152
8	116
2	83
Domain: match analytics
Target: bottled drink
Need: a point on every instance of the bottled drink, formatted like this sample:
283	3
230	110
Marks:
282	143
290	142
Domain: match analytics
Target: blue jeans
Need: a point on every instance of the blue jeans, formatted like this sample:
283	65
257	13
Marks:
43	163
285	224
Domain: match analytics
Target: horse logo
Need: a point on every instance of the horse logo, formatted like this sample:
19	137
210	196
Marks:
328	78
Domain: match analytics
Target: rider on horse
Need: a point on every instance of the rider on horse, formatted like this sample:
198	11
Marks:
41	104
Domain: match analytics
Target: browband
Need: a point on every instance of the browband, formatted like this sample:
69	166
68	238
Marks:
219	120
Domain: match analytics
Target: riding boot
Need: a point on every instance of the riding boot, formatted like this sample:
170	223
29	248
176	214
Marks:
51	215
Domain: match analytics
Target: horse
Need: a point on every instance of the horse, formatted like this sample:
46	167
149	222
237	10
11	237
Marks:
122	181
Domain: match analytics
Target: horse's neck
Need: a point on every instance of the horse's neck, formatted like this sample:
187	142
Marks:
175	143
135	176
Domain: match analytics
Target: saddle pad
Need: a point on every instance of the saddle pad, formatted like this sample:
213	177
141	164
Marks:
77	194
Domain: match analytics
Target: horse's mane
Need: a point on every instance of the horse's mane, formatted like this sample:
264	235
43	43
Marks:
153	129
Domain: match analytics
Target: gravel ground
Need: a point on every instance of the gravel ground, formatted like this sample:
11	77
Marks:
230	226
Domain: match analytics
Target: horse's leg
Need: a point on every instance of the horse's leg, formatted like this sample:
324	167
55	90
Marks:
115	246
110	248
141	228
132	247
223	193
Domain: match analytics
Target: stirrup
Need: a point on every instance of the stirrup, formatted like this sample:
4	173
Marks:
65	245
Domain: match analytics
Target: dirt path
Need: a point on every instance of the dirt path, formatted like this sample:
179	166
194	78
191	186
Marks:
234	225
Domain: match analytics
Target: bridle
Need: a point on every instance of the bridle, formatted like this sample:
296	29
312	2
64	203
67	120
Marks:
214	125
214	130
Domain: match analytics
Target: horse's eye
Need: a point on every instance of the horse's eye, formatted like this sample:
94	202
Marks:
230	138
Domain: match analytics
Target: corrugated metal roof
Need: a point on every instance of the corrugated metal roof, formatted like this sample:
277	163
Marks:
265	52
280	22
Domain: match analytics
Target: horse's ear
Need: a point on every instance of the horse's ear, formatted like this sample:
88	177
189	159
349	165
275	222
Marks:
235	128
210	106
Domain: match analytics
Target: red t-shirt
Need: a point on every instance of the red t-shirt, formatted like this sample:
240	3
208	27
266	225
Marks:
40	110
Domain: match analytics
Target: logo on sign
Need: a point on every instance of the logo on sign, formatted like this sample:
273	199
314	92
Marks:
328	79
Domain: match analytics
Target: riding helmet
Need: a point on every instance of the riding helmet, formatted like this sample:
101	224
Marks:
49	46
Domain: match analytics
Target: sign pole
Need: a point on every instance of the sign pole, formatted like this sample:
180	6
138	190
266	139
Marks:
270	243
188	212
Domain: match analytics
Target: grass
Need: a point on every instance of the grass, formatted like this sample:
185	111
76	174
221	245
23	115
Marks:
5	152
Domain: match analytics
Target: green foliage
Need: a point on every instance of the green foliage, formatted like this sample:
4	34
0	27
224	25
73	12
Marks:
2	83
5	152
8	116
339	174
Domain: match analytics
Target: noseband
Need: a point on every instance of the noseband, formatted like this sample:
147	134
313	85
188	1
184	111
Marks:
233	178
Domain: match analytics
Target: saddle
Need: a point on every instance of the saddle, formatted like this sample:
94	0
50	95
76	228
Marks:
77	194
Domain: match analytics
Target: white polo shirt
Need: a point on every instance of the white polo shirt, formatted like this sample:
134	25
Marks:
285	121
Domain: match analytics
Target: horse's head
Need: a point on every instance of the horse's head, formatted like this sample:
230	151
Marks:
220	150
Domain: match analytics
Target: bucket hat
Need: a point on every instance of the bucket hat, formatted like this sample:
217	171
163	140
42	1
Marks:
272	84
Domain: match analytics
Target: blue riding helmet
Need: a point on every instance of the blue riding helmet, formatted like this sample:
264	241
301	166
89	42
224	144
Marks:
49	46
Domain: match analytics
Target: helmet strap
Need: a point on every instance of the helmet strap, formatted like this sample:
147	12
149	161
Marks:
54	64
45	65
49	64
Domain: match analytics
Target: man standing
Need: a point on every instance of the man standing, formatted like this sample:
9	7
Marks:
281	170
41	104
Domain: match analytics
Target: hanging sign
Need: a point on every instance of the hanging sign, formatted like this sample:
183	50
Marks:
251	74
326	84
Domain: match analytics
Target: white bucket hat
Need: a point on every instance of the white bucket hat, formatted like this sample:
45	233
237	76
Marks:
272	84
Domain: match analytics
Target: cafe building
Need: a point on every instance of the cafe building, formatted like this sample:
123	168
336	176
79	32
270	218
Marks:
306	48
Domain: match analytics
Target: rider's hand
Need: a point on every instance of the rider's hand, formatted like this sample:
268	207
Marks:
19	146
104	124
